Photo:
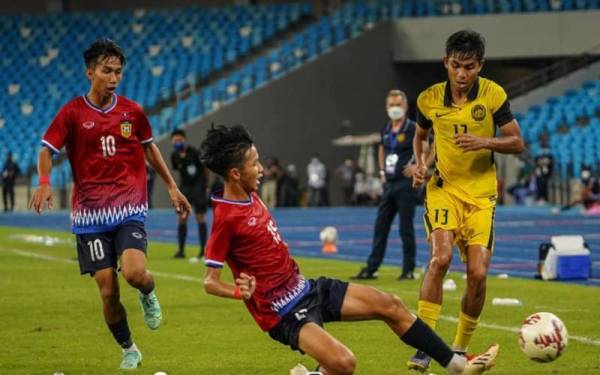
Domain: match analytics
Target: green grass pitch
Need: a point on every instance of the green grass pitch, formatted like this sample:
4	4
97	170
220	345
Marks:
52	322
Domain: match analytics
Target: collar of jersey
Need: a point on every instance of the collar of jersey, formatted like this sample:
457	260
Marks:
98	109
218	197
403	128
472	95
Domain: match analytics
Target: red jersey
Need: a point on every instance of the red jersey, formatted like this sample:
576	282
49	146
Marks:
244	235
104	147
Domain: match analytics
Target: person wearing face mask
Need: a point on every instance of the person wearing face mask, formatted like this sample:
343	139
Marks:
589	195
193	182
396	165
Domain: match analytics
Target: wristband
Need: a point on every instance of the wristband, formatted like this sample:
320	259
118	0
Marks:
236	293
44	180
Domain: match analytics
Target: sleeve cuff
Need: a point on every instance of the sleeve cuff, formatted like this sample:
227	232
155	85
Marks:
50	146
423	121
213	263
503	115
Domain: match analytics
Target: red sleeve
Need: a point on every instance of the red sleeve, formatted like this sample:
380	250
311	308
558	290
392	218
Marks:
218	244
143	128
58	132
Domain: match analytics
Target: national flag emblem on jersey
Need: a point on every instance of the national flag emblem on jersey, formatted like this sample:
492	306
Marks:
126	129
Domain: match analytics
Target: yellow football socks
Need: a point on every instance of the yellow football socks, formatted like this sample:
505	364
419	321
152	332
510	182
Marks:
464	331
429	312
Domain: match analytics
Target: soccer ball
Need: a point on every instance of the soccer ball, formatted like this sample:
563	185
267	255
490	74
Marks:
329	234
543	337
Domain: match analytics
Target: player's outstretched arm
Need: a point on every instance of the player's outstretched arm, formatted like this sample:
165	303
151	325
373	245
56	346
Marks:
244	285
43	194
178	200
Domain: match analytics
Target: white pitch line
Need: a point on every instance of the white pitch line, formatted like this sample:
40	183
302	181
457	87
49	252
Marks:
30	254
581	339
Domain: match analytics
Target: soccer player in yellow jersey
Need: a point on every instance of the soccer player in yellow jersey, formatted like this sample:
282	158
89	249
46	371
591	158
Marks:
465	113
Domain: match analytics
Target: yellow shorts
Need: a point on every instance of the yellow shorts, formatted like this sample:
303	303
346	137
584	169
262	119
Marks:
470	224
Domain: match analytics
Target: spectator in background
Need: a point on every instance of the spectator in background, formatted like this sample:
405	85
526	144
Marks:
317	182
10	172
544	164
396	165
271	174
193	176
347	172
525	185
589	191
288	191
367	189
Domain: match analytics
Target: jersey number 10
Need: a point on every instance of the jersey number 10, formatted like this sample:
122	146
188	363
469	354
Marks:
109	147
96	249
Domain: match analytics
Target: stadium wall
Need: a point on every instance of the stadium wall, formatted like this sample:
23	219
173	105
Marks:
508	35
298	115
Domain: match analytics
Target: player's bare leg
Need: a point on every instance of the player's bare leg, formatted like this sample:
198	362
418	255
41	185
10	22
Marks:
366	303
116	317
478	261
133	269
439	263
333	357
431	297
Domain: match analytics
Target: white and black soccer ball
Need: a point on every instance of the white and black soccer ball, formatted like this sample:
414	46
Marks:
543	337
329	234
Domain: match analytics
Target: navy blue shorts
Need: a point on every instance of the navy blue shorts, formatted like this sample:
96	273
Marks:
197	198
322	304
97	251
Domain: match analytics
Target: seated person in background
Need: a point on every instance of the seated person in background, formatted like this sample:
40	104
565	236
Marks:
589	194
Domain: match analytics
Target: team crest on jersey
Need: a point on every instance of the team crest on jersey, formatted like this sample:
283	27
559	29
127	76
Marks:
252	221
478	112
401	137
126	129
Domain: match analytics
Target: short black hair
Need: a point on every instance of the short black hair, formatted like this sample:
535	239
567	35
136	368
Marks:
225	147
466	44
104	48
180	132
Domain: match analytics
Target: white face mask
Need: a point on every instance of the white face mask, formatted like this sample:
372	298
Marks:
396	113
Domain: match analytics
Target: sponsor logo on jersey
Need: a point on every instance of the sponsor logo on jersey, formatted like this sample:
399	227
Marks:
137	235
478	112
438	115
88	124
126	129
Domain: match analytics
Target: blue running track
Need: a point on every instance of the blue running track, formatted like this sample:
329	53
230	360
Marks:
519	231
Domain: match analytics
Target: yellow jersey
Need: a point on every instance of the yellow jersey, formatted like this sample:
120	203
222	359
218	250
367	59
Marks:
468	175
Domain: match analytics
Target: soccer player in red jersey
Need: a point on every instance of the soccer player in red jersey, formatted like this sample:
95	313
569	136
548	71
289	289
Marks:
108	138
283	303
